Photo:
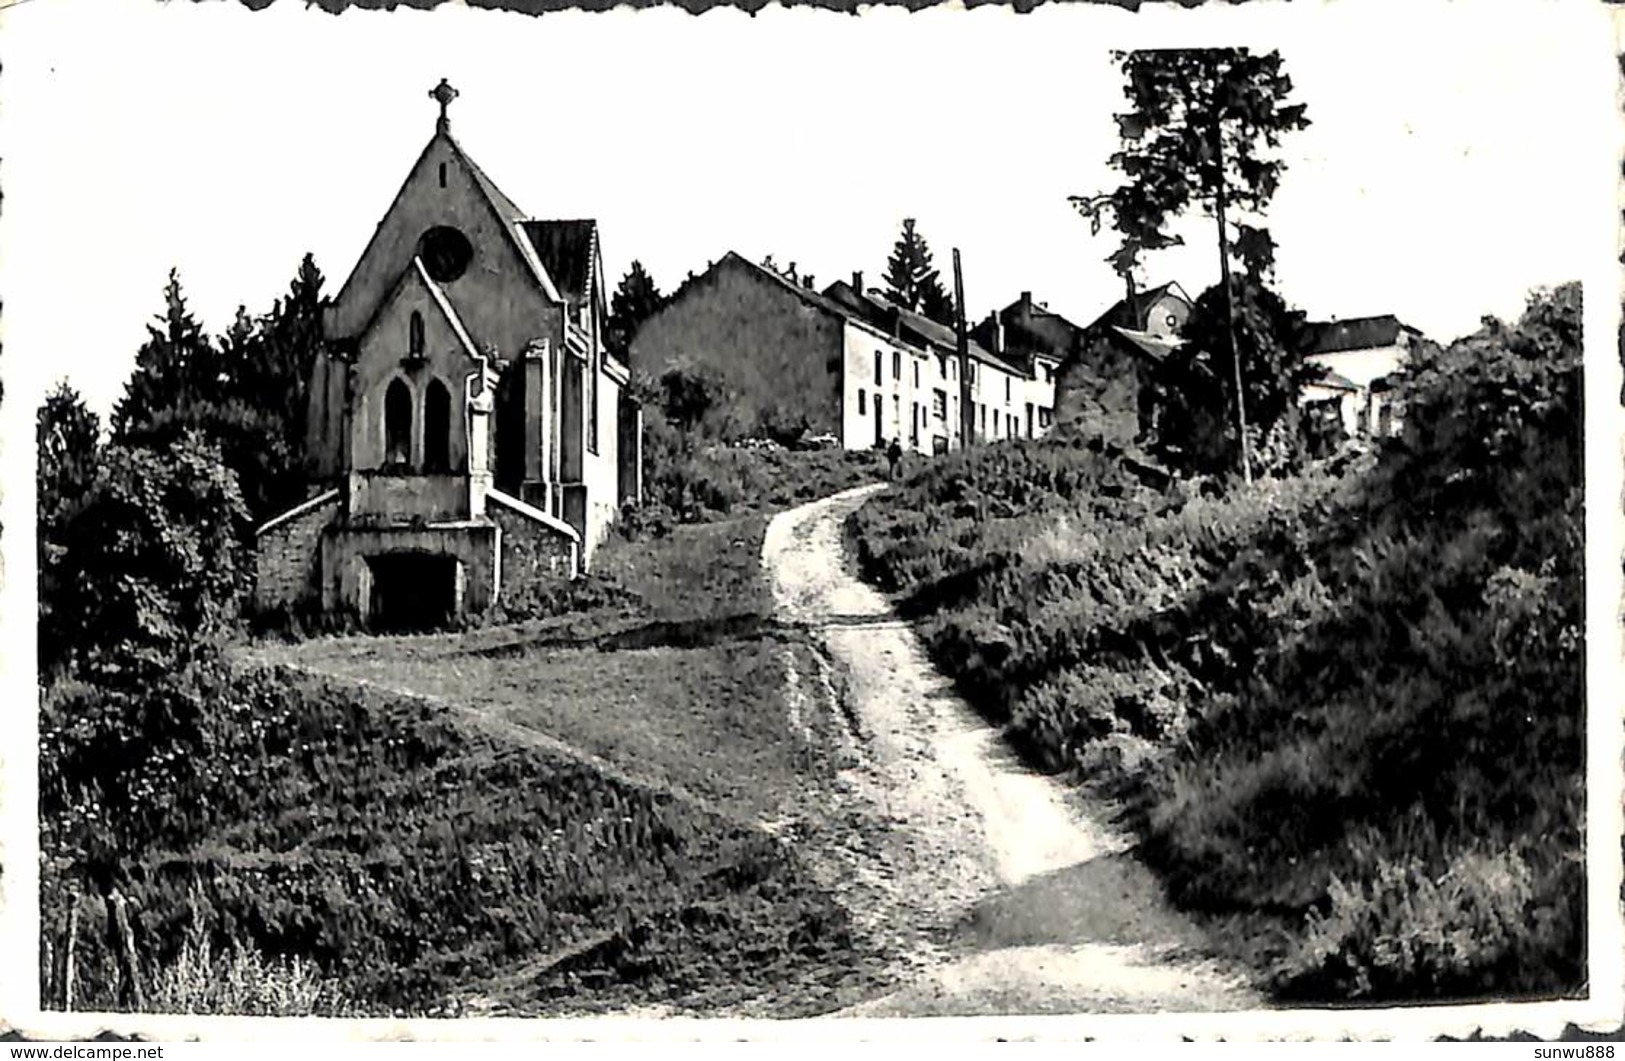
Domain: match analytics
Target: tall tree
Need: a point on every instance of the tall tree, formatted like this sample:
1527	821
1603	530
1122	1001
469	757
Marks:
245	393
290	337
178	365
1202	130
913	281
68	435
635	300
1191	392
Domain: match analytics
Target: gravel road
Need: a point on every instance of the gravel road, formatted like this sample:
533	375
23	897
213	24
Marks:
993	883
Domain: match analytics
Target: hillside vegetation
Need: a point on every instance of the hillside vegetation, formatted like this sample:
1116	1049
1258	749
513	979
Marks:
411	860
387	837
1343	710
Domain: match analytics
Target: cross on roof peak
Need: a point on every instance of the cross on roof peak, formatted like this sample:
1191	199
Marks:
443	94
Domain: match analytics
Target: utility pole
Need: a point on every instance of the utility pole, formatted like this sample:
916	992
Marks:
1230	298
967	421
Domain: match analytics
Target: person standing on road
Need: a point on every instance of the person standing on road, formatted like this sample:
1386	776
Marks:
894	456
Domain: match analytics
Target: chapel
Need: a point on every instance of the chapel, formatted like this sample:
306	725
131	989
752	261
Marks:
473	436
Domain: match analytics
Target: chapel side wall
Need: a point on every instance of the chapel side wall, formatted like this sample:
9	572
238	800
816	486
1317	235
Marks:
287	559
603	468
533	555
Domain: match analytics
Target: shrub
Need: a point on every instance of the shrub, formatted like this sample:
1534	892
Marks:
1469	924
238	980
1276	676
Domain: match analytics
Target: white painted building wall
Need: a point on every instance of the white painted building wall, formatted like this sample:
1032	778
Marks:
1364	412
919	394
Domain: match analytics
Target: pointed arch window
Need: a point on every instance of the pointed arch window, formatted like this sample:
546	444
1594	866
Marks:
436	428
414	335
398	424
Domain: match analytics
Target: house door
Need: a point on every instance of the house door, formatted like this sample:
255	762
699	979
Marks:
879	406
413	591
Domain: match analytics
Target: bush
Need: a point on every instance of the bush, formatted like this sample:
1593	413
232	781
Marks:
1476	929
238	980
1274	676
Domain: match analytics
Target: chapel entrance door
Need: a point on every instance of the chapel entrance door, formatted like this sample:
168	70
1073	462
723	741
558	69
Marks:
413	591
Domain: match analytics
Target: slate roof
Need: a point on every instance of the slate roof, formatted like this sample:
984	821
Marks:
820	302
1336	381
1154	345
1133	317
879	311
1357	333
1024	343
566	250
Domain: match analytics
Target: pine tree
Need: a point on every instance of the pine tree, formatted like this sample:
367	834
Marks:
177	367
68	434
635	300
1202	128
245	394
913	282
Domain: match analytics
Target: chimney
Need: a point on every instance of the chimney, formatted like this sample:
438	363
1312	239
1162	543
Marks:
1026	301
792	272
807	279
997	330
857	282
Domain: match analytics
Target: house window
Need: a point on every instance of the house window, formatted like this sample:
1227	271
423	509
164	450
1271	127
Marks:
436	428
942	365
880	369
1007	388
970	372
939	404
398	424
442	174
863	403
1045	417
414	335
916	373
897	365
981	412
915	416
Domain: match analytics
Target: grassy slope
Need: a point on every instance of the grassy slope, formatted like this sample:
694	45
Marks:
699	706
697	709
421	860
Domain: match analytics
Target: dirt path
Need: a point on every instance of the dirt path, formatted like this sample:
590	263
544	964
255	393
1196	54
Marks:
999	891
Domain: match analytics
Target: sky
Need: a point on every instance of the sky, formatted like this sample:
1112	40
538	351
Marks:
1449	168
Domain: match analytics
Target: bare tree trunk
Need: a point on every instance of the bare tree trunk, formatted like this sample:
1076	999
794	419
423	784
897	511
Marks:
123	943
70	953
1229	299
